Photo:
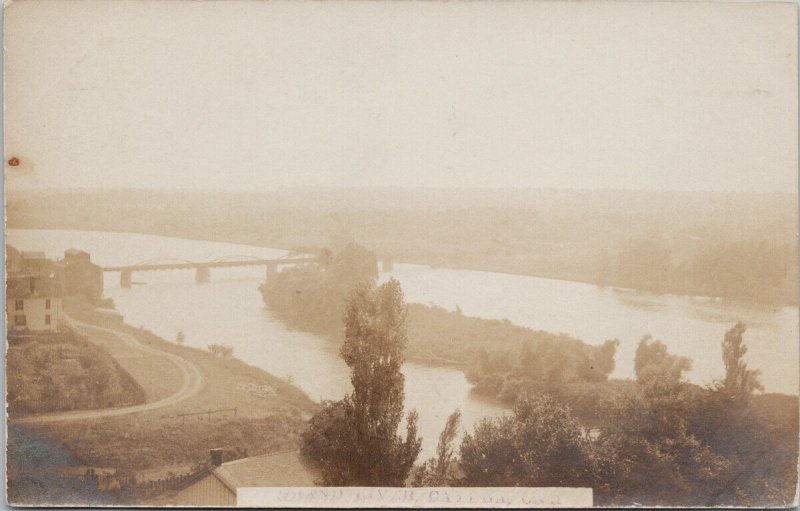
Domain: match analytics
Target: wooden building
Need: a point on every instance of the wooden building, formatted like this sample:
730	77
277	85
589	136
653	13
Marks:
33	293
33	304
218	488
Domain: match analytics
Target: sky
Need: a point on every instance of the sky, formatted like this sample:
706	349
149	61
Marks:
261	95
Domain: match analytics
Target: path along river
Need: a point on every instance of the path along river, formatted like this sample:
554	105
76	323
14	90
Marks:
229	310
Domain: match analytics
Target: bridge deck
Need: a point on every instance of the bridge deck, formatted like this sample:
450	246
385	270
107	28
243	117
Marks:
209	264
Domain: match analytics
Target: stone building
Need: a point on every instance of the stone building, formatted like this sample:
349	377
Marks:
82	277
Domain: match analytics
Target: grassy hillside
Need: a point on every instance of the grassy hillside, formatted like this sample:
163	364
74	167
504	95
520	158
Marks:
270	415
50	373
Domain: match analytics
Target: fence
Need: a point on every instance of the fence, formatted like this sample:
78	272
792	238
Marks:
207	412
172	483
125	488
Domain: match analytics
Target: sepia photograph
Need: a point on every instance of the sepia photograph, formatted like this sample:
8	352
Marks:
401	254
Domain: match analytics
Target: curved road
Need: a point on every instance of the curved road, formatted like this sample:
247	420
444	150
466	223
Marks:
192	383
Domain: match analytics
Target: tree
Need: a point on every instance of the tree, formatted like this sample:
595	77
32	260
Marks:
180	338
540	445
312	297
604	268
605	357
752	271
352	266
740	382
360	445
644	262
441	470
647	452
727	420
548	364
652	360
326	433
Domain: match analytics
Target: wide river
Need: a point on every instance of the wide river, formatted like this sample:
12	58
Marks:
229	310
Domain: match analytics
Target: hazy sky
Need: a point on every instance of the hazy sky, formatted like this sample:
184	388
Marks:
255	95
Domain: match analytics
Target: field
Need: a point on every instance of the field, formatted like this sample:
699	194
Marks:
155	374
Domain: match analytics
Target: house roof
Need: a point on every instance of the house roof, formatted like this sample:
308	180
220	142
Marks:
33	255
285	468
105	311
27	286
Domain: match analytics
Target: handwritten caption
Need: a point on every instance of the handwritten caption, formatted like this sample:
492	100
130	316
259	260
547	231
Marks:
346	497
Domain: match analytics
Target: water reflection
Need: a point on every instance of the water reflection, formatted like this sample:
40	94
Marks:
638	300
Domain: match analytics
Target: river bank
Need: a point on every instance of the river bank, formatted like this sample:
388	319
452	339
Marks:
583	239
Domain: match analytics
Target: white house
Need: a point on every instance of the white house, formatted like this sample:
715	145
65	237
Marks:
33	303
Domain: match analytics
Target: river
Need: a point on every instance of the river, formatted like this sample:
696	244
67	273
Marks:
229	310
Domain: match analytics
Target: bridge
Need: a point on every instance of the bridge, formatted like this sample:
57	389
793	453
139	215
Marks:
203	269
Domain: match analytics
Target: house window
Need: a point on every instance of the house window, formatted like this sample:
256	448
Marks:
47	318
19	305
19	320
47	304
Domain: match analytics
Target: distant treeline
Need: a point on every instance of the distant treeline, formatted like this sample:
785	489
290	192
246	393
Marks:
735	246
749	271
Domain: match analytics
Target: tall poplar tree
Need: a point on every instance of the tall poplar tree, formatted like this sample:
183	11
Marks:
740	382
356	440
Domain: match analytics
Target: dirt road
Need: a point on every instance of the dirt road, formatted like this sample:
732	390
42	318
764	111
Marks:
192	382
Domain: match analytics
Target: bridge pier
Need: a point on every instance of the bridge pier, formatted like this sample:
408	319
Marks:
125	278
202	275
203	270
